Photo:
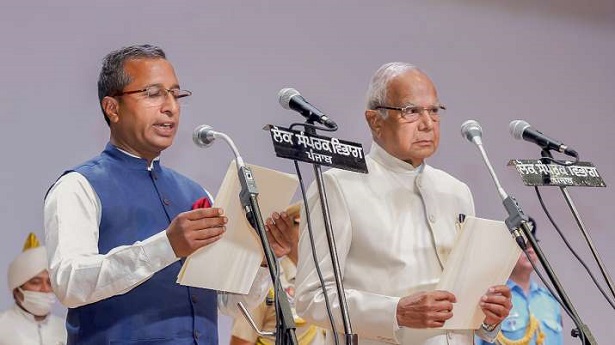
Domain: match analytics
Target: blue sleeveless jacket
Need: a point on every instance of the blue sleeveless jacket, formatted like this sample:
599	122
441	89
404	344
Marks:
137	203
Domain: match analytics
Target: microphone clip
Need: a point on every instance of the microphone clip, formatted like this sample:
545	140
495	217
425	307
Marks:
516	219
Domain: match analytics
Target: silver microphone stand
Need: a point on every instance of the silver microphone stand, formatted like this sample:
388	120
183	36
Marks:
575	213
517	222
285	323
350	338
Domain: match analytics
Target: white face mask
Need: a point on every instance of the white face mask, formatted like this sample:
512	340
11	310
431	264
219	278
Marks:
37	303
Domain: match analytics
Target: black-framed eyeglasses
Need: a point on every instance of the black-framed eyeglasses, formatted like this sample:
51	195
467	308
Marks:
155	95
412	113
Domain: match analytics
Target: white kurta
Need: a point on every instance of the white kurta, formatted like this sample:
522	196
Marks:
18	327
393	227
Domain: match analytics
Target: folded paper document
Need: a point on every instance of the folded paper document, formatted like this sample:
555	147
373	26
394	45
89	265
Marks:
231	263
484	255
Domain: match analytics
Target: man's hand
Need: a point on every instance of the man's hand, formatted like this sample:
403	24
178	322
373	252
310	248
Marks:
282	236
425	309
194	229
496	304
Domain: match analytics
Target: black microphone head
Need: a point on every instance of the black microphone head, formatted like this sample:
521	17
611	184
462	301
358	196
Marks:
471	129
517	127
203	136
285	95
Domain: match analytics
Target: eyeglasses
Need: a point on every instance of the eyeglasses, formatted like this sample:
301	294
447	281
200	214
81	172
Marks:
412	113
155	95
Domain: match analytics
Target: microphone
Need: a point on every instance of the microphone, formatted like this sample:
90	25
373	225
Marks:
291	99
204	136
473	132
522	130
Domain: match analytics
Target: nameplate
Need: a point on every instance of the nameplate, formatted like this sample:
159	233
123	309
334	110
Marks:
317	149
536	173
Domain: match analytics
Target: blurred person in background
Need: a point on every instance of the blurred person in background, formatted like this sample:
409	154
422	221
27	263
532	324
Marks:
29	321
264	315
536	317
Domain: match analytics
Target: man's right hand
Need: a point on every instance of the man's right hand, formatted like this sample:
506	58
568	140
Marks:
194	229
425	309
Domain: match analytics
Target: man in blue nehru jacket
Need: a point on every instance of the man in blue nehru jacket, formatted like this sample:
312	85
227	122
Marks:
118	224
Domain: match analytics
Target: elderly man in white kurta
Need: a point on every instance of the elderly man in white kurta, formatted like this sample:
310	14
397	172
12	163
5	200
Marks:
394	227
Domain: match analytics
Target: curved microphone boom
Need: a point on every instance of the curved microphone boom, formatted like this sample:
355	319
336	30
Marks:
291	99
522	130
204	136
472	131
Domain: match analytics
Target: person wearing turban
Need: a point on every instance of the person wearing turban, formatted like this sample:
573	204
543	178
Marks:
29	321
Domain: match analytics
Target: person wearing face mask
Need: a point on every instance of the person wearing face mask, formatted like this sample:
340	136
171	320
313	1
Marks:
30	321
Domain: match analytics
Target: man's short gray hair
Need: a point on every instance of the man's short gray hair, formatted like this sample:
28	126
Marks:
377	89
112	78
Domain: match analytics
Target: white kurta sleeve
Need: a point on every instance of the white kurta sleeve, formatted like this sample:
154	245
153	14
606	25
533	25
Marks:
486	335
79	274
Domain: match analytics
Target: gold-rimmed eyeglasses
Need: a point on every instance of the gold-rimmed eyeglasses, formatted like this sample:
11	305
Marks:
412	113
155	95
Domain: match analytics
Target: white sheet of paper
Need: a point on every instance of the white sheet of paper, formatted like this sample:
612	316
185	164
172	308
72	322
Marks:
231	263
484	255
